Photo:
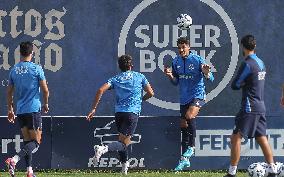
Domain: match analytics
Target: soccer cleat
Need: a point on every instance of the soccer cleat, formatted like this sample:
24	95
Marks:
99	151
30	175
272	175
184	163
11	166
124	168
229	175
189	152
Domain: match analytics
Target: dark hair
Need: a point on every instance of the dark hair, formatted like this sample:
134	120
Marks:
26	48
249	42
125	62
183	40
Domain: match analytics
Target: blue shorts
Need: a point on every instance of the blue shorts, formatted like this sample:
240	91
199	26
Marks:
126	122
32	121
195	102
250	125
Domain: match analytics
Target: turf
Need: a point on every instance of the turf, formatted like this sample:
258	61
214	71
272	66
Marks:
131	174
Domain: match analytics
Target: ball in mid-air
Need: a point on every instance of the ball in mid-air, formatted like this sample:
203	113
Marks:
184	21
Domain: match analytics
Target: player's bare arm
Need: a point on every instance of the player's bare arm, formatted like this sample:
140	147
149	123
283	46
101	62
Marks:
11	114
97	99
149	92
45	91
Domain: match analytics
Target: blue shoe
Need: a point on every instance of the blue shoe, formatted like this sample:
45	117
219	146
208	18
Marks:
182	164
189	152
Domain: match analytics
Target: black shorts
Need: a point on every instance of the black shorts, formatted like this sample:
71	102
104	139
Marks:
32	121
195	102
126	122
250	125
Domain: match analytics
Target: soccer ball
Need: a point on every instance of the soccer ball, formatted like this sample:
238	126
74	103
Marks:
256	170
280	169
184	21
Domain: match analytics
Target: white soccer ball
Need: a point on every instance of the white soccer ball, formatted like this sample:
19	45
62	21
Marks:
256	170
280	168
265	166
184	21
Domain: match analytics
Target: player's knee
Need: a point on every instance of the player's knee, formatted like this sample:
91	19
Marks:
235	138
183	123
191	116
127	141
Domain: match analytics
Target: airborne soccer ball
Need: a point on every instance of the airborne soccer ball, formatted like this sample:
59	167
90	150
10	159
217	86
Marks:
184	21
256	170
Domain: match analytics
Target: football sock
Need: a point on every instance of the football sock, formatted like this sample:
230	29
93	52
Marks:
232	170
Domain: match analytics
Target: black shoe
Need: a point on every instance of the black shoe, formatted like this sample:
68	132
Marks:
229	175
272	175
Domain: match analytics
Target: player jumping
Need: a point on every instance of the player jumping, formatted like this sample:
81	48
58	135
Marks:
188	71
128	86
25	79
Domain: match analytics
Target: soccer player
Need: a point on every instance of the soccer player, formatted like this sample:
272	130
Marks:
250	122
188	71
128	86
26	79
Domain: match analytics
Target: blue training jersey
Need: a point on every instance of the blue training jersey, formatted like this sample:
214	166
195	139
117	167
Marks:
25	77
189	77
128	88
251	78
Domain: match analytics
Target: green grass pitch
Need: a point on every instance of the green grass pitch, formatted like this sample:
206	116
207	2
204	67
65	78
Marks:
130	174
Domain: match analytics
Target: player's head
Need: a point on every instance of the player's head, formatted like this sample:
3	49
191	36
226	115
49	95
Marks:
248	43
183	46
125	63
26	49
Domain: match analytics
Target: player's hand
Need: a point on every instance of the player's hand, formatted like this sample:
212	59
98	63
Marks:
168	72
11	116
45	108
91	115
205	69
282	101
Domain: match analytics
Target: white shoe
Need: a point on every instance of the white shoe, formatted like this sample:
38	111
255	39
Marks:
124	168
99	151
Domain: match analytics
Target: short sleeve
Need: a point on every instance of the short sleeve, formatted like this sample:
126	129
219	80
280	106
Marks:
110	82
11	82
144	81
41	75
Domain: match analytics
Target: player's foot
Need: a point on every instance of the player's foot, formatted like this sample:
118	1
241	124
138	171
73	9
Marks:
31	175
11	166
189	152
272	175
124	168
229	175
184	163
99	151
